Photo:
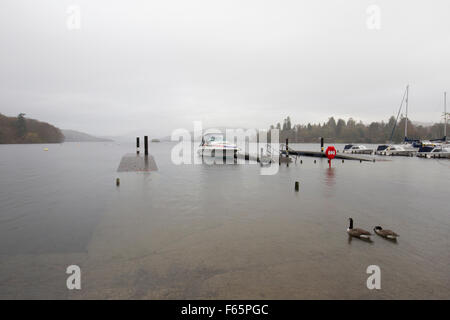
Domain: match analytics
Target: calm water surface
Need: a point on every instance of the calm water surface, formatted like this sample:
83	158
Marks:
218	231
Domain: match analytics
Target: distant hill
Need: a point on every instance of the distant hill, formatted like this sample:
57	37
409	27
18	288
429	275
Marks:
76	136
21	130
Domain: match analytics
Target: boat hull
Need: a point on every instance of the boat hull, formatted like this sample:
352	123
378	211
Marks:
218	152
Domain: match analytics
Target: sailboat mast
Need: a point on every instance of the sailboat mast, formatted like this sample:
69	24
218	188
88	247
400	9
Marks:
445	116
406	120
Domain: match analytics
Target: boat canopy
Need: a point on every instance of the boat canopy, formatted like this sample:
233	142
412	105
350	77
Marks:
382	147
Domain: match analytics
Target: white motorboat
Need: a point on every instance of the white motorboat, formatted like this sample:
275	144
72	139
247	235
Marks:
215	145
357	149
434	150
396	150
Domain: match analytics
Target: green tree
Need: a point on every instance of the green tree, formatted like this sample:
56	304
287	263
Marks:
21	125
340	127
288	123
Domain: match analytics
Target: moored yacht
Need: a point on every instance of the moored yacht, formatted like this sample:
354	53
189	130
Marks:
409	146
435	151
357	149
215	145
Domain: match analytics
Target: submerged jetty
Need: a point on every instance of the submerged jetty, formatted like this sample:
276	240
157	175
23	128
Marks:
137	163
286	151
320	154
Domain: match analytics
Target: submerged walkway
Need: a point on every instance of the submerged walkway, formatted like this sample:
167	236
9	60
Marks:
323	155
137	163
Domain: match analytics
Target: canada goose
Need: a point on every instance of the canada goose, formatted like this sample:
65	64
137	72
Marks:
357	232
388	234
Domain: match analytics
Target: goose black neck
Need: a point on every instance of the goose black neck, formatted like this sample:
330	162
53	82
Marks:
351	224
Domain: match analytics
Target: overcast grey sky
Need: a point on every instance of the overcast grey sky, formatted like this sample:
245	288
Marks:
159	65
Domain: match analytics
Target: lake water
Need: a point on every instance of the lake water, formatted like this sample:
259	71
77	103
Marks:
218	231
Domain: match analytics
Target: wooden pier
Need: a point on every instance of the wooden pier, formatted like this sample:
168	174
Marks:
397	153
136	163
364	151
434	155
319	154
245	156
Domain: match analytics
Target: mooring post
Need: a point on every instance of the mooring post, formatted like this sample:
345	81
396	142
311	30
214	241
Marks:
321	144
261	156
287	147
287	152
146	145
137	145
117	181
296	186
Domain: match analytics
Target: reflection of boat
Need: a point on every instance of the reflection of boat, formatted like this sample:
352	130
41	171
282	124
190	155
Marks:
214	145
357	149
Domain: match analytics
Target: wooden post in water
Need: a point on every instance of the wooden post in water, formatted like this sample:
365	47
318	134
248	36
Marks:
321	144
287	147
146	145
287	152
137	145
296	186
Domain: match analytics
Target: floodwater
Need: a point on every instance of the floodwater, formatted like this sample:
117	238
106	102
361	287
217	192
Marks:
218	231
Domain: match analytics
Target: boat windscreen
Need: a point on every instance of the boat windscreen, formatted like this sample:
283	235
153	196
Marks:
214	137
426	149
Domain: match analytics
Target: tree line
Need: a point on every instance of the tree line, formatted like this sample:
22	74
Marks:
21	130
350	131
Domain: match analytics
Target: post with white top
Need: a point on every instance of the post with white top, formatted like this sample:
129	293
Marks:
137	145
